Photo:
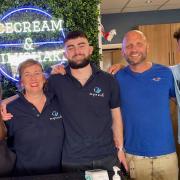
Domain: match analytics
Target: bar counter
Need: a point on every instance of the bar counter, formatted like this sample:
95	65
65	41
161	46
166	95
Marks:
62	176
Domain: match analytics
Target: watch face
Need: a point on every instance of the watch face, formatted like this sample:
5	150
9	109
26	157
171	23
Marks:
120	149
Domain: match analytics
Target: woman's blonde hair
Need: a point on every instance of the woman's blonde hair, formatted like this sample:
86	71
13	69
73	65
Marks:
27	63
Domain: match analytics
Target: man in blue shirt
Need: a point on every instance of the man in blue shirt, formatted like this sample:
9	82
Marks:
145	90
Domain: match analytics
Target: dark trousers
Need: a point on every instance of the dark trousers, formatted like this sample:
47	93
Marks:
106	163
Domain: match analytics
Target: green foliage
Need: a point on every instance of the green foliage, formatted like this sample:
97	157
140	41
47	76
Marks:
9	89
77	15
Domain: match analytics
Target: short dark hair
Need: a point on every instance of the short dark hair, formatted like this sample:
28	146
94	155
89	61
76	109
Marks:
177	34
74	35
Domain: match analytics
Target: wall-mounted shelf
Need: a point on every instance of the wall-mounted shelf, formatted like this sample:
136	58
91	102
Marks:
111	46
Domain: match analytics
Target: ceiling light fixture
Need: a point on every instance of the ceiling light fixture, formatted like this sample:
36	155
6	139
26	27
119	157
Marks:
149	1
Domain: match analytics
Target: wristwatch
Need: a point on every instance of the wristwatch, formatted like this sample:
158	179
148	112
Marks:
120	148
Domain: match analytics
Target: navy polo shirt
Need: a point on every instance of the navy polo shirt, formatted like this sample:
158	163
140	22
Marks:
36	138
87	114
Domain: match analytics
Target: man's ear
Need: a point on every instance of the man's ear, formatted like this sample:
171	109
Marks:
148	47
122	52
65	55
91	48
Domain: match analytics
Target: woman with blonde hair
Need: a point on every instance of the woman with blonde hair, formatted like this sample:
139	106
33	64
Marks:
35	129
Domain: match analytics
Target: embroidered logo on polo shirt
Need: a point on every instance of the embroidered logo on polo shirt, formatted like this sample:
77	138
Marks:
156	79
97	92
55	116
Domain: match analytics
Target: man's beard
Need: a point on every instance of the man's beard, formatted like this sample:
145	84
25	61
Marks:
84	63
135	63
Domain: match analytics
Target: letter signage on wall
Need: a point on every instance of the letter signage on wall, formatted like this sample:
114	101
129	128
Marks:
29	32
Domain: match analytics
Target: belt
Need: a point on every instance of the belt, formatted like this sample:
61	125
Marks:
154	157
147	157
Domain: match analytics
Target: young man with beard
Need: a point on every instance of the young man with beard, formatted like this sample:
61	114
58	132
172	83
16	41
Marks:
176	73
89	100
145	90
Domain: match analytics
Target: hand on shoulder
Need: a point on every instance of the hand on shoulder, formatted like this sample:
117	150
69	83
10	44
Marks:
115	68
58	69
